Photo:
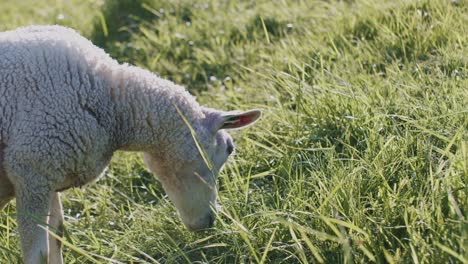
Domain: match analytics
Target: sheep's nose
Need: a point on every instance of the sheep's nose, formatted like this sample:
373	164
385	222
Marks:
206	222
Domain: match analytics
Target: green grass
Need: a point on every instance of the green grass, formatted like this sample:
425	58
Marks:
361	155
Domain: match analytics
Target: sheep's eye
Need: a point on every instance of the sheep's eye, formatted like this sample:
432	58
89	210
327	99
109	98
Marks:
230	148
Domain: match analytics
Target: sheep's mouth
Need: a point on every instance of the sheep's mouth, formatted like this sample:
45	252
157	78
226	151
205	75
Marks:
205	223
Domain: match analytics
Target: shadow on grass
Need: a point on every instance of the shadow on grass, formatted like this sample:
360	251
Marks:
116	23
170	42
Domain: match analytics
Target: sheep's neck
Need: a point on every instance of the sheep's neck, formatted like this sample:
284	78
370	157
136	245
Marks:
146	110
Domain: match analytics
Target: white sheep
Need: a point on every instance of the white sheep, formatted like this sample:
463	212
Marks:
66	107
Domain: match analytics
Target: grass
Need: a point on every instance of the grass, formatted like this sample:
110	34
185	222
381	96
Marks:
361	155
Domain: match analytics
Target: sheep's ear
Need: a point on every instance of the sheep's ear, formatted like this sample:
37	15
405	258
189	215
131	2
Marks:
232	120
236	120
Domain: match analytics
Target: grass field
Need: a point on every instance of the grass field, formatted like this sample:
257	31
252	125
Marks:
361	155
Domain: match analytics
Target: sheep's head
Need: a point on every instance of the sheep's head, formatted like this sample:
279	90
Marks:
189	171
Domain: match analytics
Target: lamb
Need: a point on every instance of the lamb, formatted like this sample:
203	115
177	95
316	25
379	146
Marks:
66	107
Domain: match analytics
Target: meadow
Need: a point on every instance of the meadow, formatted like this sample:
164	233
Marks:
360	157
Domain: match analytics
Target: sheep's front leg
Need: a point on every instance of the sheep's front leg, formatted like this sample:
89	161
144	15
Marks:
56	226
32	205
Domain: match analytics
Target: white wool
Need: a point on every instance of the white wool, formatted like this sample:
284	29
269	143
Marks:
66	106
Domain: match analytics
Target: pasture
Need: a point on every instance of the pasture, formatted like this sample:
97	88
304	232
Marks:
360	157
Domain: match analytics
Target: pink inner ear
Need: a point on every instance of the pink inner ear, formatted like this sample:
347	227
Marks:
242	121
239	121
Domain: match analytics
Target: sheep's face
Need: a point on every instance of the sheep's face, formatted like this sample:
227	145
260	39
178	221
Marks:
189	178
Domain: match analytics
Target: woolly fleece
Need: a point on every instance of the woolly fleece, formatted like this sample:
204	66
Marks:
66	106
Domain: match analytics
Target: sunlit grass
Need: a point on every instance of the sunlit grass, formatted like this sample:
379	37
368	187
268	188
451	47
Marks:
360	156
79	14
